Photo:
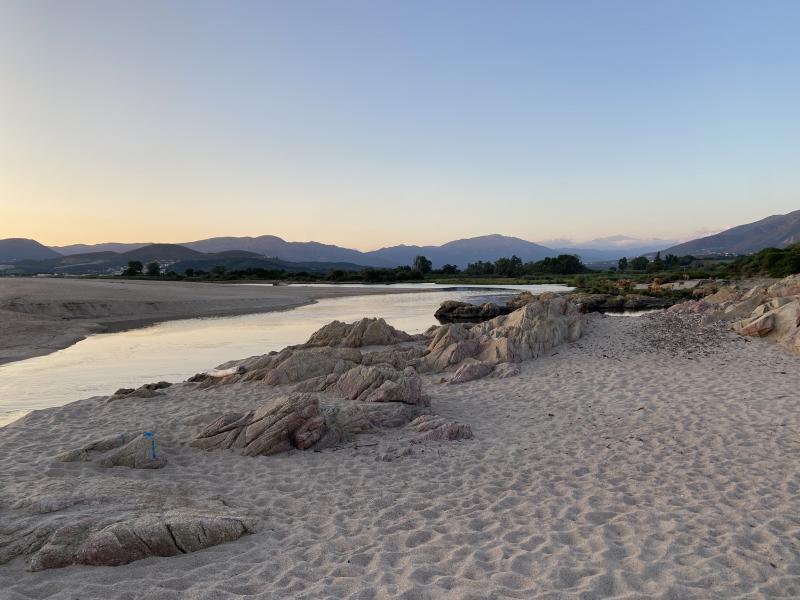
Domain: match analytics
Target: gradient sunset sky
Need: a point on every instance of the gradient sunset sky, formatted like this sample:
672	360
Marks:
372	123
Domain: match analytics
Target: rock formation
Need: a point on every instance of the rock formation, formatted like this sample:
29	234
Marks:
521	335
278	425
298	421
148	390
436	428
136	451
366	332
87	542
451	311
762	310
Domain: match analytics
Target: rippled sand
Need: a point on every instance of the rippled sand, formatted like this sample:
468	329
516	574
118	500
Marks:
651	459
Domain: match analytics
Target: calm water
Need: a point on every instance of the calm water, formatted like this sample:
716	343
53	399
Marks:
175	350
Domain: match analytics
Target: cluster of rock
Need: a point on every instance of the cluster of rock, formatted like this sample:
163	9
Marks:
348	379
365	391
451	311
770	311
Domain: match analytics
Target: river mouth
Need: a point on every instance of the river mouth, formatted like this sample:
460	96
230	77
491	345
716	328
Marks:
175	350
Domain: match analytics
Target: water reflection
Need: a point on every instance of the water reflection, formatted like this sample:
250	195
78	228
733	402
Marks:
175	350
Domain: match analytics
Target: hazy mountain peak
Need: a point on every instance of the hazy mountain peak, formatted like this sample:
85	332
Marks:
14	249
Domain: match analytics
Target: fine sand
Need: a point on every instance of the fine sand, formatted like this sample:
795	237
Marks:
39	316
651	459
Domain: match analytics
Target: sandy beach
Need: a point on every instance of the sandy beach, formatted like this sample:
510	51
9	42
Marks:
39	316
653	458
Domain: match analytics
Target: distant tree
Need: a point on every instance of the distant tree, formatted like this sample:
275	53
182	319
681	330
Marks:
508	267
153	269
657	264
622	265
563	264
449	269
480	268
335	275
219	270
135	267
422	264
189	272
671	261
639	263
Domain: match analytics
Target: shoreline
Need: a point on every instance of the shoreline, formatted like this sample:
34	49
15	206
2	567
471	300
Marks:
41	316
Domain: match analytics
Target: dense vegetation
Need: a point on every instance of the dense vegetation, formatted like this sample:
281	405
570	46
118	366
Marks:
774	262
566	268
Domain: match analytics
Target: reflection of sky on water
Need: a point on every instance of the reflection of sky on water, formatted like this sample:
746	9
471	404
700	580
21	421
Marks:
175	350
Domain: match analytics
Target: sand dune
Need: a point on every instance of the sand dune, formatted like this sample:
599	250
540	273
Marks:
39	316
651	459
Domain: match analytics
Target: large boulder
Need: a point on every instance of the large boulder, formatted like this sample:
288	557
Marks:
276	426
366	332
293	365
788	286
757	327
86	542
470	370
525	333
382	383
136	451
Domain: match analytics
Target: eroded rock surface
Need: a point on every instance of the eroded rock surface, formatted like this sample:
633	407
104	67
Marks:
136	451
770	311
87	542
278	425
366	332
436	428
526	333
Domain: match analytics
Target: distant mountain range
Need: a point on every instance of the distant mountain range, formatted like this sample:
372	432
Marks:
174	256
777	231
457	252
269	251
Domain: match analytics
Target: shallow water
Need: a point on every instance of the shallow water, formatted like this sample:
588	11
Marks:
175	350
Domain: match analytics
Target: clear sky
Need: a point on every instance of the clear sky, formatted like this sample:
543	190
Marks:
373	123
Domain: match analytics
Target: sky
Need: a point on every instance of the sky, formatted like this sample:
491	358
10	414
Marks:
373	123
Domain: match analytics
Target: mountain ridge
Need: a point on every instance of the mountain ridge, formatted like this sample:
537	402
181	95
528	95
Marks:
776	231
